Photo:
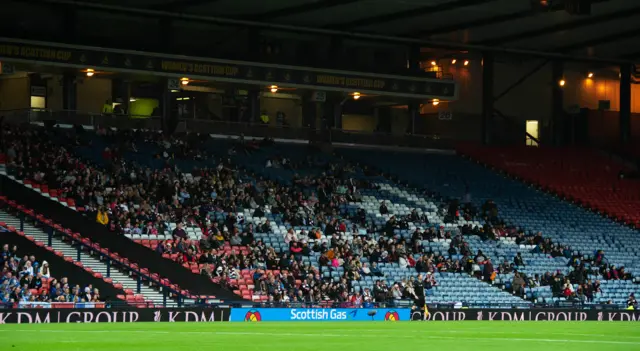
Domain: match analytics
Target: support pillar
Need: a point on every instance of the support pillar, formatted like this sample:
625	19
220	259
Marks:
487	97
625	104
121	93
414	114
557	105
413	59
254	105
308	111
413	65
165	107
384	120
337	114
69	92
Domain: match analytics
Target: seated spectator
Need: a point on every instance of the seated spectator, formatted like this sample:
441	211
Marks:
179	232
535	281
375	270
632	303
567	288
396	293
235	240
599	258
27	269
518	261
295	249
189	256
207	271
383	208
102	217
429	283
45	271
517	285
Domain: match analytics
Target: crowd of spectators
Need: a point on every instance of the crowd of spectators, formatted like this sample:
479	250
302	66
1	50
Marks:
575	286
133	199
26	280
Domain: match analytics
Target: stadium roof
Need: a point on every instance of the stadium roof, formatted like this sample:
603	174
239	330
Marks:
611	31
610	34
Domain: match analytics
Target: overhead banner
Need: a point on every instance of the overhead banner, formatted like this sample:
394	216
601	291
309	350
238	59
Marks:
318	314
225	70
113	315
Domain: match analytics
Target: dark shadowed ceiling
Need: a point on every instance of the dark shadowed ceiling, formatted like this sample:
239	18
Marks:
612	30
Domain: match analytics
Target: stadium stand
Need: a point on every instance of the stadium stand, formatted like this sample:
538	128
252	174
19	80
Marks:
276	223
29	274
584	176
568	233
99	264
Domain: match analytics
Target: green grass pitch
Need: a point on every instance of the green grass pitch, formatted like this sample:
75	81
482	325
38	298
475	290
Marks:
342	336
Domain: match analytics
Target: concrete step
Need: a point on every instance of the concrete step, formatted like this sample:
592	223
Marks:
94	263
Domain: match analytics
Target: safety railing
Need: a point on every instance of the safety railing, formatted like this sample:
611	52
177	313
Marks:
231	128
52	230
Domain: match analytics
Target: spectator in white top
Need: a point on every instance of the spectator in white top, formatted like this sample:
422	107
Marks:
396	293
365	270
28	269
45	270
290	236
403	262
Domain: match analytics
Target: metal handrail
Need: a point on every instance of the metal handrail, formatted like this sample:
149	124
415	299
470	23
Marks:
124	121
109	260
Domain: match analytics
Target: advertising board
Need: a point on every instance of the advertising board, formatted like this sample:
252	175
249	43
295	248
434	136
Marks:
528	315
318	314
113	315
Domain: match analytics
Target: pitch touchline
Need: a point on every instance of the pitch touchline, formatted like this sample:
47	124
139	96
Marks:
335	335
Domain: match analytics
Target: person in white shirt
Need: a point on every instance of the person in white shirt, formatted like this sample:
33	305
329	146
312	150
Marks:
365	270
395	291
290	236
45	270
28	269
403	262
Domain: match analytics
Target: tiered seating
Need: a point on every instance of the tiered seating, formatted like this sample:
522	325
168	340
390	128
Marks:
399	201
580	175
293	166
122	277
519	205
39	287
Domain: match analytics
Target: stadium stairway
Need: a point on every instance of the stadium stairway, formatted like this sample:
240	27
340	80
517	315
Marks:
95	265
59	266
61	212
